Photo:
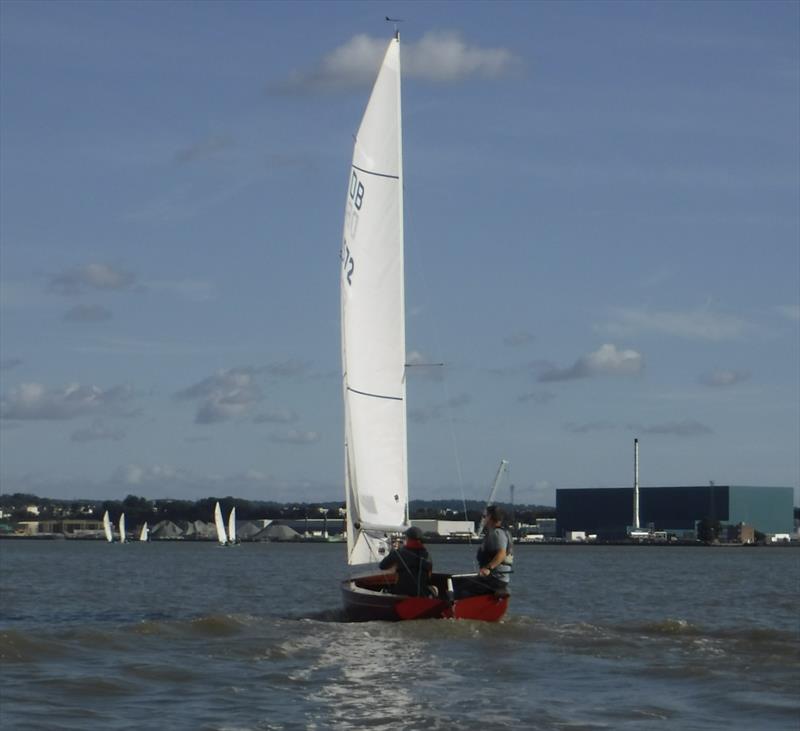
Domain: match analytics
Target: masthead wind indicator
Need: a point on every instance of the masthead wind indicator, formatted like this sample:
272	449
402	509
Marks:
395	21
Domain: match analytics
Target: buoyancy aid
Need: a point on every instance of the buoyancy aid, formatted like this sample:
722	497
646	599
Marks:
487	552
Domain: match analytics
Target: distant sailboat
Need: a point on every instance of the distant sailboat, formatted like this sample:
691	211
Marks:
232	526
107	527
122	528
144	535
222	537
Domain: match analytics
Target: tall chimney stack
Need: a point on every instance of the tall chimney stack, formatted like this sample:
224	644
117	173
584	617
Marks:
636	484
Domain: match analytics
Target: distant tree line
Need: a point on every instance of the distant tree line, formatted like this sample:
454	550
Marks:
139	509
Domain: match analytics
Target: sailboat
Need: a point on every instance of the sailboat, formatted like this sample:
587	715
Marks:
107	528
144	534
374	365
122	528
232	527
222	537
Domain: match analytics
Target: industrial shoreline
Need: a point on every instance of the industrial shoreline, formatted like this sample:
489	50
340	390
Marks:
431	541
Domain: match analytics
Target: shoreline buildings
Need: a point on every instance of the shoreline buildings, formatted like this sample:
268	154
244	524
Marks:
607	512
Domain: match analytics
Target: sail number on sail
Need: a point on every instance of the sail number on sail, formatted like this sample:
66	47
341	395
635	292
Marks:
354	203
356	191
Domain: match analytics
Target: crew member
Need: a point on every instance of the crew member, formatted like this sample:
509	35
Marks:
495	554
412	564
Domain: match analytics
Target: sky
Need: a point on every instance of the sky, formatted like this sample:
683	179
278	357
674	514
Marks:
602	227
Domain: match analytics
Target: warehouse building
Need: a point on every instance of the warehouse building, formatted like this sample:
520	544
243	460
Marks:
608	512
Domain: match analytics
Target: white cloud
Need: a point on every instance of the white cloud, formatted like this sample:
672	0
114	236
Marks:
790	312
225	395
723	377
139	475
221	408
699	324
606	360
233	392
439	57
91	277
30	401
445	57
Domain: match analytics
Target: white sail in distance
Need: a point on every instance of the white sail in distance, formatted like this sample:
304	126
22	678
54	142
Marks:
144	534
232	525
107	527
373	324
220	525
122	528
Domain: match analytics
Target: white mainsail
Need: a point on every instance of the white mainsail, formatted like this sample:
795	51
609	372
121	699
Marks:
107	527
373	324
232	525
144	534
220	524
122	528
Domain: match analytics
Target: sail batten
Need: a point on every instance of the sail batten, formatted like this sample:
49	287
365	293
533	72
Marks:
374	172
375	395
373	322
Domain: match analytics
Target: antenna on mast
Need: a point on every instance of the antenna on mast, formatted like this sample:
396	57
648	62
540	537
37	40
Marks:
395	21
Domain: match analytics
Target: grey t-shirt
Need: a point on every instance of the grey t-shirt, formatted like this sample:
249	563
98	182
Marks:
497	539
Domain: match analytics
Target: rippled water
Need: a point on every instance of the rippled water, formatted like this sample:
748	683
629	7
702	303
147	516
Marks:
193	636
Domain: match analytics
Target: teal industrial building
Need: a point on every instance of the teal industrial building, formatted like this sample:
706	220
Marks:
608	512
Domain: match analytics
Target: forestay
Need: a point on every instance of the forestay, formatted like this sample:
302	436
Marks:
373	324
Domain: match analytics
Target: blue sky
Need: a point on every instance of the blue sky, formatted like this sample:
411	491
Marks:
602	227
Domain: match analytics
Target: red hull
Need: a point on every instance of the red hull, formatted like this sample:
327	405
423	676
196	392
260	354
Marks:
367	599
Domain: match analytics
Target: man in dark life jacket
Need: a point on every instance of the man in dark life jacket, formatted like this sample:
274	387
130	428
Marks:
495	554
412	564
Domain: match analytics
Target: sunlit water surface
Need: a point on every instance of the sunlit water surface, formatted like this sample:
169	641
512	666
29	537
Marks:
193	636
